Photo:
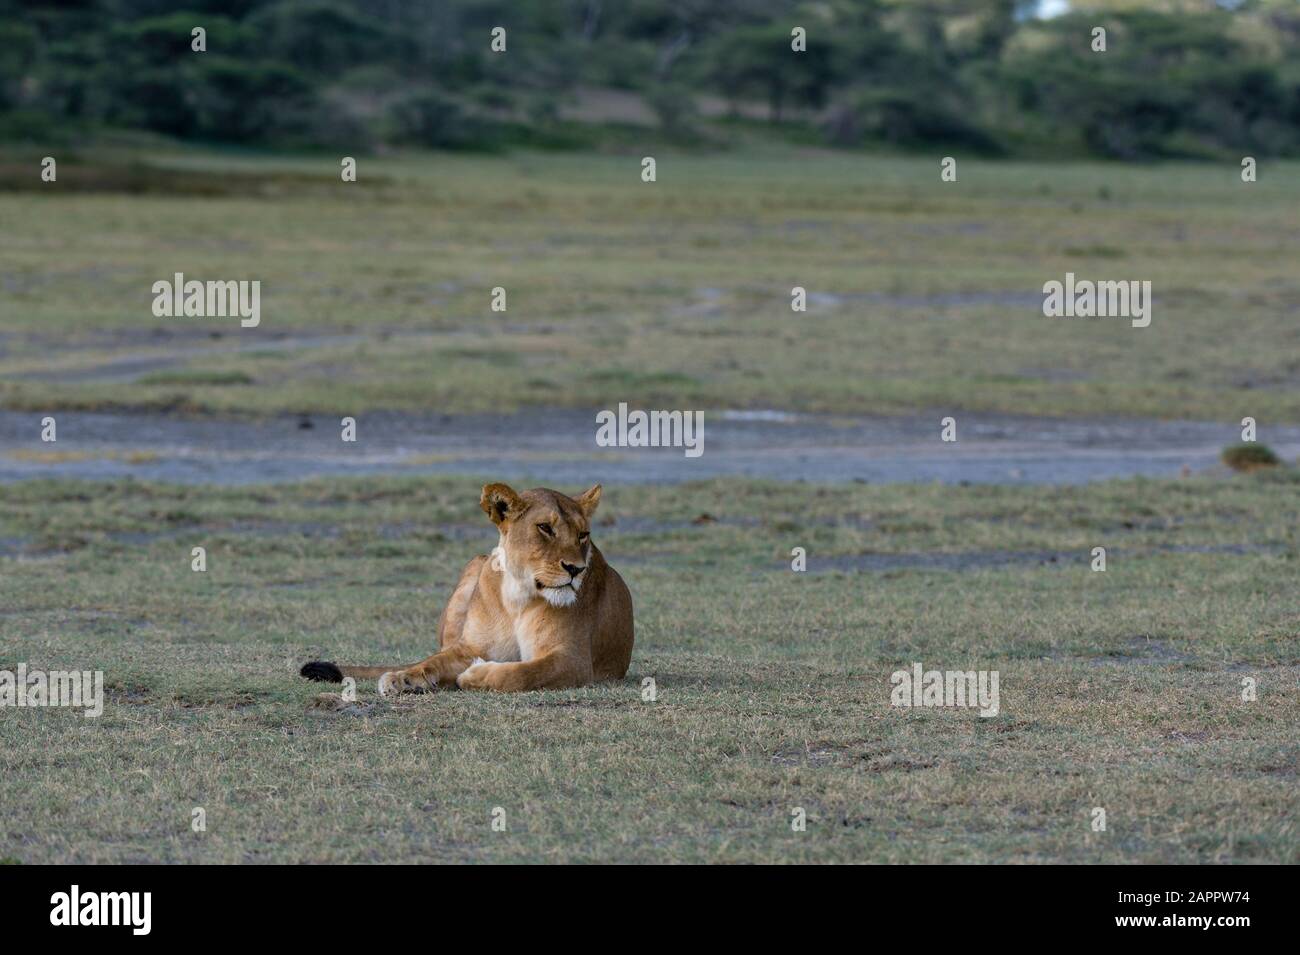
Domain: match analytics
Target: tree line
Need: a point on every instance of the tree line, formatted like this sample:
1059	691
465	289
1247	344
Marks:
1193	78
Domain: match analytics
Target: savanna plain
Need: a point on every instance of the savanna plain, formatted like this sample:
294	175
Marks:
1120	690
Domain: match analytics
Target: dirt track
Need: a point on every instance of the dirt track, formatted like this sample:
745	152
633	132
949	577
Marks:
559	447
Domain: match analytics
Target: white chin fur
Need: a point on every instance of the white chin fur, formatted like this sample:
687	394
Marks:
518	591
559	596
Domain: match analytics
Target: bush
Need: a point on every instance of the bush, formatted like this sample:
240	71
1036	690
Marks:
1249	457
674	105
238	103
319	37
151	98
37	126
18	44
906	118
432	118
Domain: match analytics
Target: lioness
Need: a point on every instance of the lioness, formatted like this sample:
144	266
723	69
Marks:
542	611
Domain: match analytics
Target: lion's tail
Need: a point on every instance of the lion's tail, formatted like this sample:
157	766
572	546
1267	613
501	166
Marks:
324	672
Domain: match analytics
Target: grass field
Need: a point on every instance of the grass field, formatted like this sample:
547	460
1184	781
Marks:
1119	690
377	294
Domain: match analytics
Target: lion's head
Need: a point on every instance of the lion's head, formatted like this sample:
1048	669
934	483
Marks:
545	541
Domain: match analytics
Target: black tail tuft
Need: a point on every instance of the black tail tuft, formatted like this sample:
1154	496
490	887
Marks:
322	672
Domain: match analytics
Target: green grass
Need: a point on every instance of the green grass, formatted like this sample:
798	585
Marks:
197	377
673	294
1119	689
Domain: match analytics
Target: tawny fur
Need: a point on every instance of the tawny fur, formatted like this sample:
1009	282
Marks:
542	611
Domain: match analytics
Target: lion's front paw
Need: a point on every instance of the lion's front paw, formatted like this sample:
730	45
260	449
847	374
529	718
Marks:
402	681
475	677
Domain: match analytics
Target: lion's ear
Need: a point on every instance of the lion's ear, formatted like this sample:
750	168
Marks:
499	502
589	500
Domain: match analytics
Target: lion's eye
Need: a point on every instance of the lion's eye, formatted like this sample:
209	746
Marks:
582	538
546	529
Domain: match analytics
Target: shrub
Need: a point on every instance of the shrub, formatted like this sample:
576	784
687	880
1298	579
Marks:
1249	457
674	105
239	102
434	119
907	118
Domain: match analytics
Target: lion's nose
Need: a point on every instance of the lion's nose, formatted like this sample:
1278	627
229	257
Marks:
573	569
